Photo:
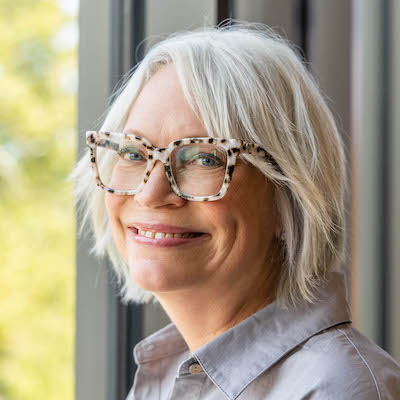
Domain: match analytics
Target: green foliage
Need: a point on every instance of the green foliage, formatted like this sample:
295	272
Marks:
37	229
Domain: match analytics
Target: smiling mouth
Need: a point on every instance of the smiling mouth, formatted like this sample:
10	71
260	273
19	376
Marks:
166	235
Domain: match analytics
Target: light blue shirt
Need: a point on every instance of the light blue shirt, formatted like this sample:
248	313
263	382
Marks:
311	352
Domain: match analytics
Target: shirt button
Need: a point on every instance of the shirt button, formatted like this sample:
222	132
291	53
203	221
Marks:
195	368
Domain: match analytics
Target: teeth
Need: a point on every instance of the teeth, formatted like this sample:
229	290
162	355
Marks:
162	235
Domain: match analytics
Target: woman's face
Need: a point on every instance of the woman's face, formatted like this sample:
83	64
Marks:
240	227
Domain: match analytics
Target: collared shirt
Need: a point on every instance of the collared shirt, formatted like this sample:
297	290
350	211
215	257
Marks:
311	352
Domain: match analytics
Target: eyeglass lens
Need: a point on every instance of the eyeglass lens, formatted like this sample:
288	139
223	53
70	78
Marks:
198	169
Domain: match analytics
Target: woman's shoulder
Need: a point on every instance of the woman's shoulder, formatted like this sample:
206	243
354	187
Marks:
345	344
350	365
338	363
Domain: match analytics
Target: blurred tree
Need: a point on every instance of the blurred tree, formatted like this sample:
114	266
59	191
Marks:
38	82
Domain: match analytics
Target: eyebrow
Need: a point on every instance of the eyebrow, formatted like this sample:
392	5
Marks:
142	135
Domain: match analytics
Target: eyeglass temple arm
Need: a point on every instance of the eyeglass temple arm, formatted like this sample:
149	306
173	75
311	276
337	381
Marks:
259	151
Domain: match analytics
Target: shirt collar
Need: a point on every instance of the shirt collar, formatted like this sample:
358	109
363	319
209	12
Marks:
238	356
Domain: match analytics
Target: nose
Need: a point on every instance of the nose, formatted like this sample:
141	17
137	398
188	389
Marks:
157	192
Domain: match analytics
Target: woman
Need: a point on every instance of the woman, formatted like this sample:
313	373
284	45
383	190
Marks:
240	234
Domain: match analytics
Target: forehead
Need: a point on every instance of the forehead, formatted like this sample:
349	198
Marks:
161	113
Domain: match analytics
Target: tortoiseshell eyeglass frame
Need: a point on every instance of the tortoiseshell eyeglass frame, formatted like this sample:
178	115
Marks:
233	148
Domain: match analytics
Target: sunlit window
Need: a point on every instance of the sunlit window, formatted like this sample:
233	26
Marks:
38	100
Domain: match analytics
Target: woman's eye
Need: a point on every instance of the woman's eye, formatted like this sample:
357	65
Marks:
207	160
133	157
129	155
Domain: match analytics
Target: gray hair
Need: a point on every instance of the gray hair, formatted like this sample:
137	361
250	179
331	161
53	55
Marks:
246	82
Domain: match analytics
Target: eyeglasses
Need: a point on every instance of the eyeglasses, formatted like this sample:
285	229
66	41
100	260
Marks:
197	169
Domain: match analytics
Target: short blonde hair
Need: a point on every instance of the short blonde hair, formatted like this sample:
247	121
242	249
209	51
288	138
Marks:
246	82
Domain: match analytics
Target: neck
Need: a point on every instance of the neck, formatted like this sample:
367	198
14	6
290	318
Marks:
203	313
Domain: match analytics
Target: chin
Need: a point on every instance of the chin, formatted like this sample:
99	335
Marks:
157	276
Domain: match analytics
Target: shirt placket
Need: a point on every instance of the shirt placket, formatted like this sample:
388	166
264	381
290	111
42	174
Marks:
189	383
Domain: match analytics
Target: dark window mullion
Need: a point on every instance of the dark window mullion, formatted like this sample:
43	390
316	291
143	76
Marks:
302	26
225	9
127	30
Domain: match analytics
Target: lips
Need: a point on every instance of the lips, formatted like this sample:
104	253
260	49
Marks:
170	242
163	228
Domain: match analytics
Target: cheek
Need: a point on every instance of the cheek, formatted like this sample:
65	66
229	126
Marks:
220	216
252	198
114	206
